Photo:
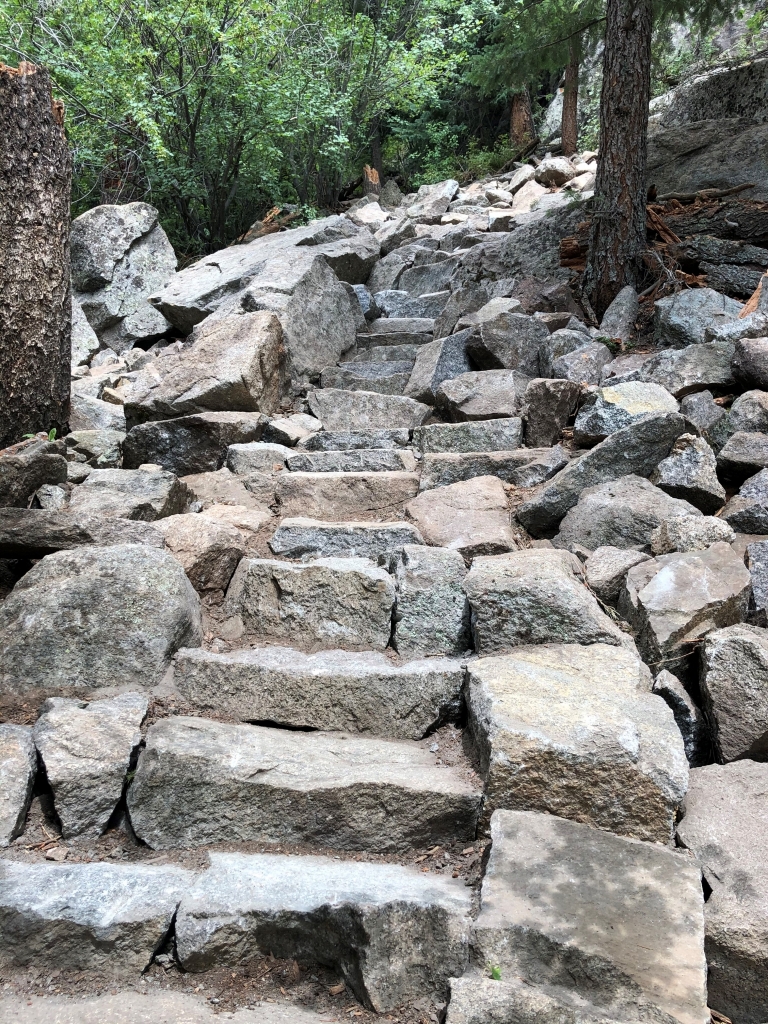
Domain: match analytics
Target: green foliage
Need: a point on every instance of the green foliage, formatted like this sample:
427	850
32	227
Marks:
495	972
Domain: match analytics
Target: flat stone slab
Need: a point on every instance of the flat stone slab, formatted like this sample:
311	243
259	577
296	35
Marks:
502	435
344	440
358	460
575	731
77	917
130	494
312	538
365	410
86	750
323	603
471	517
342	496
332	690
34	533
200	781
526	467
393	933
482	395
18	767
617	922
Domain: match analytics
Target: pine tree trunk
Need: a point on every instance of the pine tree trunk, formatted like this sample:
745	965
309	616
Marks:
521	129
570	126
35	302
618	226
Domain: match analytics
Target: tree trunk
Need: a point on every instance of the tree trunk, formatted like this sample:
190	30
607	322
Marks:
35	302
570	125
521	130
371	181
618	226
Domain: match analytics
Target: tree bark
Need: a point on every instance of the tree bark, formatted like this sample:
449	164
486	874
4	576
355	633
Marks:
35	300
618	226
521	129
570	125
371	181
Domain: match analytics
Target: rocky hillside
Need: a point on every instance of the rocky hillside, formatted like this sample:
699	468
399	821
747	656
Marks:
388	638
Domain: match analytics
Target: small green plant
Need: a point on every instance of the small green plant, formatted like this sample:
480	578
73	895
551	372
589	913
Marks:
495	971
51	435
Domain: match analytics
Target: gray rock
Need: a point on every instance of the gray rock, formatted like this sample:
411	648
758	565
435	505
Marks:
344	496
690	721
393	933
233	364
749	412
58	628
385	378
525	467
681	319
436	362
696	368
636	449
400	325
332	690
554	170
689	533
85	343
350	411
101	237
743	455
690	472
18	767
256	457
673	600
534	596
756	559
612	407
706	418
489	313
92	414
355	460
547	407
747	512
86	750
615	909
477	999
256	491
584	365
324	603
726	828
290	430
431	611
51	497
622	513
393	233
34	533
606	569
508	341
503	435
384	354
109	918
311	538
397	303
750	362
619	319
191	444
25	467
561	342
200	781
432	201
147	494
550	727
208	551
102	449
753	325
484	395
346	440
734	686
471	517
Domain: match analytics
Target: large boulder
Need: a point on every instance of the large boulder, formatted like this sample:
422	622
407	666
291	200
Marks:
482	395
345	495
147	494
747	511
726	827
191	444
234	364
612	407
208	550
340	410
734	686
27	466
547	408
690	472
34	533
695	368
683	318
96	617
471	517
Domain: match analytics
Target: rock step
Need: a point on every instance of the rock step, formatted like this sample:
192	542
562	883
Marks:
525	467
312	538
401	325
342	410
393	933
500	435
347	440
367	341
386	354
337	497
331	690
359	460
385	378
200	781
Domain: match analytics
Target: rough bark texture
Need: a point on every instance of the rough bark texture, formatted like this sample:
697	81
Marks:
521	129
618	225
570	128
371	181
35	304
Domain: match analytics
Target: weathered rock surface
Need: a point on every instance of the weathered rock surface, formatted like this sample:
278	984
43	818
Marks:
477	999
696	368
747	512
365	410
508	341
103	917
25	468
86	750
312	538
393	933
635	449
672	600
344	496
355	460
102	449
706	418
431	613
146	494
690	472
525	467
482	395
611	408
331	690
726	828
749	412
619	319
223	487
534	597
256	457
614	922
734	686
471	517
622	513
325	603
690	721
388	377
606	569
503	435
682	319
436	362
288	787
689	533
191	444
346	440
750	362
18	767
547	407
743	455
584	365
34	533
207	550
57	628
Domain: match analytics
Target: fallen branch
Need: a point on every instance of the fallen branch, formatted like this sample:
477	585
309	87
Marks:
520	155
654	222
704	193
